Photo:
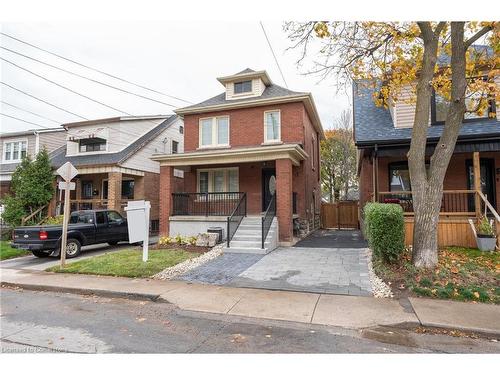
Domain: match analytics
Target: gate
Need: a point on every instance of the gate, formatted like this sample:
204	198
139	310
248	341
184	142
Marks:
340	215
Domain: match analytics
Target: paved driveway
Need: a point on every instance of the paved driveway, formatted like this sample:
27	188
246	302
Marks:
327	261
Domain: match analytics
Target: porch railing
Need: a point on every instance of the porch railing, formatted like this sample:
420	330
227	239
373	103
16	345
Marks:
267	218
234	220
205	204
454	202
88	204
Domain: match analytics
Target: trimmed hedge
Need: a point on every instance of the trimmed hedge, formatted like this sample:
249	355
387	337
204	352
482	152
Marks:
384	227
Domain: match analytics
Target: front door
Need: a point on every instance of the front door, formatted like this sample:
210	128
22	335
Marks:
268	186
487	180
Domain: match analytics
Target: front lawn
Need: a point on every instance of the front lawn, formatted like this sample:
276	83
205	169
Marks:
462	274
8	252
127	263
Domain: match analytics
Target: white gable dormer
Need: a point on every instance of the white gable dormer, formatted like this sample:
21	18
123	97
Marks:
245	84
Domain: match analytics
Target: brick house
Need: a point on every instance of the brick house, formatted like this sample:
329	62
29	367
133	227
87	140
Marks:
251	154
382	137
16	145
112	156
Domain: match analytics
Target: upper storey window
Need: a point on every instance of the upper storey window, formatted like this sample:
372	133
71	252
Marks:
15	151
92	145
272	126
214	131
242	87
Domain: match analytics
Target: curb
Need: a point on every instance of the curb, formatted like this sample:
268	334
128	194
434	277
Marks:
82	291
158	299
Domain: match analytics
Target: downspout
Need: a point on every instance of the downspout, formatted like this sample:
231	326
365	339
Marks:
375	174
37	142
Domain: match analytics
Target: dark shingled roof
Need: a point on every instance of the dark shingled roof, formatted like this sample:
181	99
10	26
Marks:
271	91
58	157
373	125
247	70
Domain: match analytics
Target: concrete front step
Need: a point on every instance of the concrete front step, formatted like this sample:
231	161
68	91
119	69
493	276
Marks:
247	237
247	243
246	250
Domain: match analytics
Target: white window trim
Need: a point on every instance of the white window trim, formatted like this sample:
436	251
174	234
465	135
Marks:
93	152
172	146
211	180
214	143
17	140
244	92
272	141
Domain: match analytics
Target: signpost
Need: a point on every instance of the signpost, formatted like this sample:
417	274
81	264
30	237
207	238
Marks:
67	172
138	224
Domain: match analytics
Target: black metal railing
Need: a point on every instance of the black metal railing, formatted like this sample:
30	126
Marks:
205	204
268	217
234	220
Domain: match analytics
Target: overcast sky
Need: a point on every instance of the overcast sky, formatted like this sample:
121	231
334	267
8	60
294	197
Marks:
179	58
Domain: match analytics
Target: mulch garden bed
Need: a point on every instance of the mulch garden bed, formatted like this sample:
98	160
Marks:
175	246
462	274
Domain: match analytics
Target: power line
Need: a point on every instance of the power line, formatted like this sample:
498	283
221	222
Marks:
43	101
25	110
94	69
89	79
65	88
28	122
74	114
272	51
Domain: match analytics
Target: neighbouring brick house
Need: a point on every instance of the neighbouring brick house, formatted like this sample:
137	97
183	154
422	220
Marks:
112	156
16	145
250	150
383	136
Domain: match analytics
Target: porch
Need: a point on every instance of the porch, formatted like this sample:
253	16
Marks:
109	188
471	190
223	188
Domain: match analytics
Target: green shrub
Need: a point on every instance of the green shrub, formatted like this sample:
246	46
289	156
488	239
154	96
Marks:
384	226
484	227
54	220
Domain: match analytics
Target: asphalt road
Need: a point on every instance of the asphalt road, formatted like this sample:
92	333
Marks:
34	322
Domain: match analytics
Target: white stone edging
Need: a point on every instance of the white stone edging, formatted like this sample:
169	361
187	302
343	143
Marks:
189	264
379	288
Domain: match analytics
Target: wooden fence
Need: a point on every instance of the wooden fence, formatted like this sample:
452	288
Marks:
451	232
340	215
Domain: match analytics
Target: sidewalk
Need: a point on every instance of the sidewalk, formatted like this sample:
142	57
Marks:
331	310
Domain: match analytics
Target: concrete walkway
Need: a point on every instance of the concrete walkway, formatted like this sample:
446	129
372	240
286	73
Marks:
331	310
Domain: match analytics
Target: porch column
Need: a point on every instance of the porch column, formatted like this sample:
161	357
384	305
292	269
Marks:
284	207
139	188
166	190
51	209
114	190
476	164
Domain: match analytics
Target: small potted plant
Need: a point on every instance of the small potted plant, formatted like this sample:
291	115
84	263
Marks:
486	239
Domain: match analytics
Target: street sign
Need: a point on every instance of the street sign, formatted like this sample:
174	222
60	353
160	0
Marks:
62	185
67	171
138	224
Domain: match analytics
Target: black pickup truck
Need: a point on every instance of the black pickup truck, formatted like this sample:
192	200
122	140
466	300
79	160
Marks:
86	227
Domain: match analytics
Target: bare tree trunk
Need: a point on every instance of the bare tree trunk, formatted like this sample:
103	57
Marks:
428	189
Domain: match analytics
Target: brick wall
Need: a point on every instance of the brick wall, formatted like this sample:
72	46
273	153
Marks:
246	125
4	188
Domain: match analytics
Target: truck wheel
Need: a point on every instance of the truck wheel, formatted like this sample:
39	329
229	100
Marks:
41	254
73	248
